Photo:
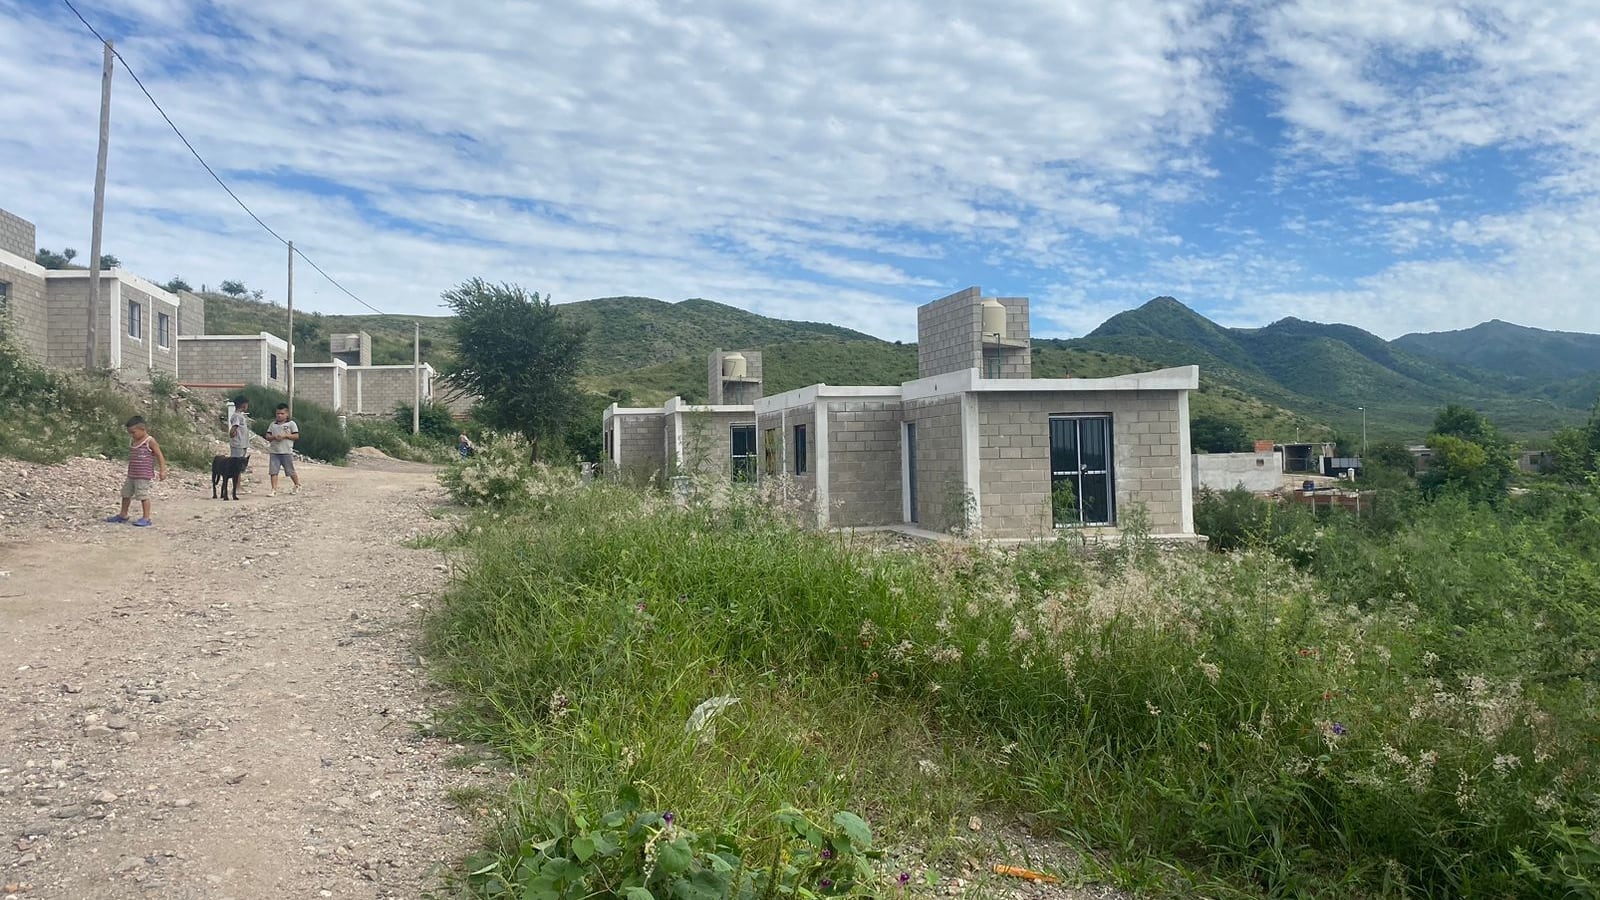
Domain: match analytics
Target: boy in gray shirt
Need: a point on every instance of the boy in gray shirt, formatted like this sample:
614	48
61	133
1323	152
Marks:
281	435
239	428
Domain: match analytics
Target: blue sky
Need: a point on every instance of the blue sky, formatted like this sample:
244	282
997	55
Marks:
1399	165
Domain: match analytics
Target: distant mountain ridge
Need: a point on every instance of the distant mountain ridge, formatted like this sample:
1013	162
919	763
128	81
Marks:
1290	378
1516	350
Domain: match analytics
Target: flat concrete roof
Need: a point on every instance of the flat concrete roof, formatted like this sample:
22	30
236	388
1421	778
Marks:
1178	378
811	393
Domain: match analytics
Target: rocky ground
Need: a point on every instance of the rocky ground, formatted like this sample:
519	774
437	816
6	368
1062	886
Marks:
226	704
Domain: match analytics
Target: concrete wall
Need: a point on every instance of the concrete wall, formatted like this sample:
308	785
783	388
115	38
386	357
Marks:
941	488
67	321
799	491
1259	472
460	405
191	313
702	440
380	390
639	446
233	360
17	236
321	383
143	354
950	337
1014	456
864	461
733	392
26	315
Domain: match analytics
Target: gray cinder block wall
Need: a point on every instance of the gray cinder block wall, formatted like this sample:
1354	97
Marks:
723	391
950	337
637	438
191	313
231	361
778	428
321	383
17	236
1014	445
24	308
381	390
864	464
941	488
155	347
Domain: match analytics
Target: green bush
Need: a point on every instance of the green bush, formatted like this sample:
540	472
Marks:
320	434
398	442
500	475
435	421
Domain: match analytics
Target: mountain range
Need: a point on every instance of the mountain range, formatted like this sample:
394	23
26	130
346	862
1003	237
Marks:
1290	379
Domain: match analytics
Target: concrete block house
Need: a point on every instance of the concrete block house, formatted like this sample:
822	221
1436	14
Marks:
46	311
230	361
975	443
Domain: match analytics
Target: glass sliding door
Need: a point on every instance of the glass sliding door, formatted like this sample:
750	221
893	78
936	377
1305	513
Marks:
1082	487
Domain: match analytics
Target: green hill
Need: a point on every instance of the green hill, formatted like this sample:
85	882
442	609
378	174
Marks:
1291	378
1527	353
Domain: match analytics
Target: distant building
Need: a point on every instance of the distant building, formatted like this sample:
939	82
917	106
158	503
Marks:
974	442
1260	471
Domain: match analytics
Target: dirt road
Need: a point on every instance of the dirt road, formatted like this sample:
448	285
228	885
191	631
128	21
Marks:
222	705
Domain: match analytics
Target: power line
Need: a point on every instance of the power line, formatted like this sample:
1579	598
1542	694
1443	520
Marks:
215	177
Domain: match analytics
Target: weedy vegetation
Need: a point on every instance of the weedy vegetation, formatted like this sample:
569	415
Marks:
1401	706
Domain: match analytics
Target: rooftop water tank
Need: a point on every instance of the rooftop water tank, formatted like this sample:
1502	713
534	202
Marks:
734	365
994	319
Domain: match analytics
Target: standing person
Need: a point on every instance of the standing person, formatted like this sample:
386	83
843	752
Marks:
239	428
281	435
143	455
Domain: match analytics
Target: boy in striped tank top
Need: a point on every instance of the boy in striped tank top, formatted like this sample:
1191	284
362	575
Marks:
143	456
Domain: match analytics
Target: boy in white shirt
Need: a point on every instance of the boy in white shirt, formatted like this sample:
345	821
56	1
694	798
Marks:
281	435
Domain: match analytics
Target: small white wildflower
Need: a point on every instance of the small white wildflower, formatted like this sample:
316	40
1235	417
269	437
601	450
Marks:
1153	709
560	705
1211	670
1505	762
928	767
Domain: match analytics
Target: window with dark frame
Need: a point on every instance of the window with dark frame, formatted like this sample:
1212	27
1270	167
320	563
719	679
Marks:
742	440
163	330
135	319
272	366
800	450
1082	483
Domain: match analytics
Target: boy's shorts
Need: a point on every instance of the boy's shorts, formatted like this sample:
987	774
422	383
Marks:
283	461
136	489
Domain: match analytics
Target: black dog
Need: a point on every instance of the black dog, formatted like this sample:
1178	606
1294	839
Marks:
225	469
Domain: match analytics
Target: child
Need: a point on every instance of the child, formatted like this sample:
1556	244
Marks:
464	447
281	435
143	455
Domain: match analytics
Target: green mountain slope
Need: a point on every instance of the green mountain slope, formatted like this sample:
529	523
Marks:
1496	346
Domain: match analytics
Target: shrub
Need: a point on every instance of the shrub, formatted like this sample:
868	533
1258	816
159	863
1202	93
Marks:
320	434
435	420
500	475
398	442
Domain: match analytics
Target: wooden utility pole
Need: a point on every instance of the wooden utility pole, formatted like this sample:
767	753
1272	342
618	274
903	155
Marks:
416	369
290	373
90	353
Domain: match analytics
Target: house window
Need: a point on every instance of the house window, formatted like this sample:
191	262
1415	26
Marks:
272	366
991	365
742	440
608	445
1081	480
5	294
135	319
163	330
800	449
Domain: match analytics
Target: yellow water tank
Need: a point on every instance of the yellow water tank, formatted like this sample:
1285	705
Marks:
994	319
734	365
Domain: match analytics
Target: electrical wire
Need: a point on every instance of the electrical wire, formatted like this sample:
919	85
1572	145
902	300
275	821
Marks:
212	172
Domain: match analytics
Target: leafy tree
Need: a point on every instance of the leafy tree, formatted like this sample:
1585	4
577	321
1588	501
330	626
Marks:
1216	434
177	284
1469	457
107	261
517	353
1577	449
234	288
52	260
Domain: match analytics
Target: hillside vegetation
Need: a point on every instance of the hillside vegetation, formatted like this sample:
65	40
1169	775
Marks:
1291	379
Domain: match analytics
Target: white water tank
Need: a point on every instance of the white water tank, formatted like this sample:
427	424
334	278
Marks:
734	365
994	319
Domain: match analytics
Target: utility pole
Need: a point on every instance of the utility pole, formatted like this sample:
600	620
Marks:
416	369
1363	433
290	373
90	353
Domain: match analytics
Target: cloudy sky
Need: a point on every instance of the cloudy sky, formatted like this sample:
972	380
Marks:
1396	164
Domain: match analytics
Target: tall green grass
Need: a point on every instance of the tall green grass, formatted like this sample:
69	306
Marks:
1192	721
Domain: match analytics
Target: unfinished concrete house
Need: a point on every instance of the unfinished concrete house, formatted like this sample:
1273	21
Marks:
227	362
711	439
47	311
975	443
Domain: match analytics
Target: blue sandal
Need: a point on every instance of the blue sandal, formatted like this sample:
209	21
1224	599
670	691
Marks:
116	520
142	523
